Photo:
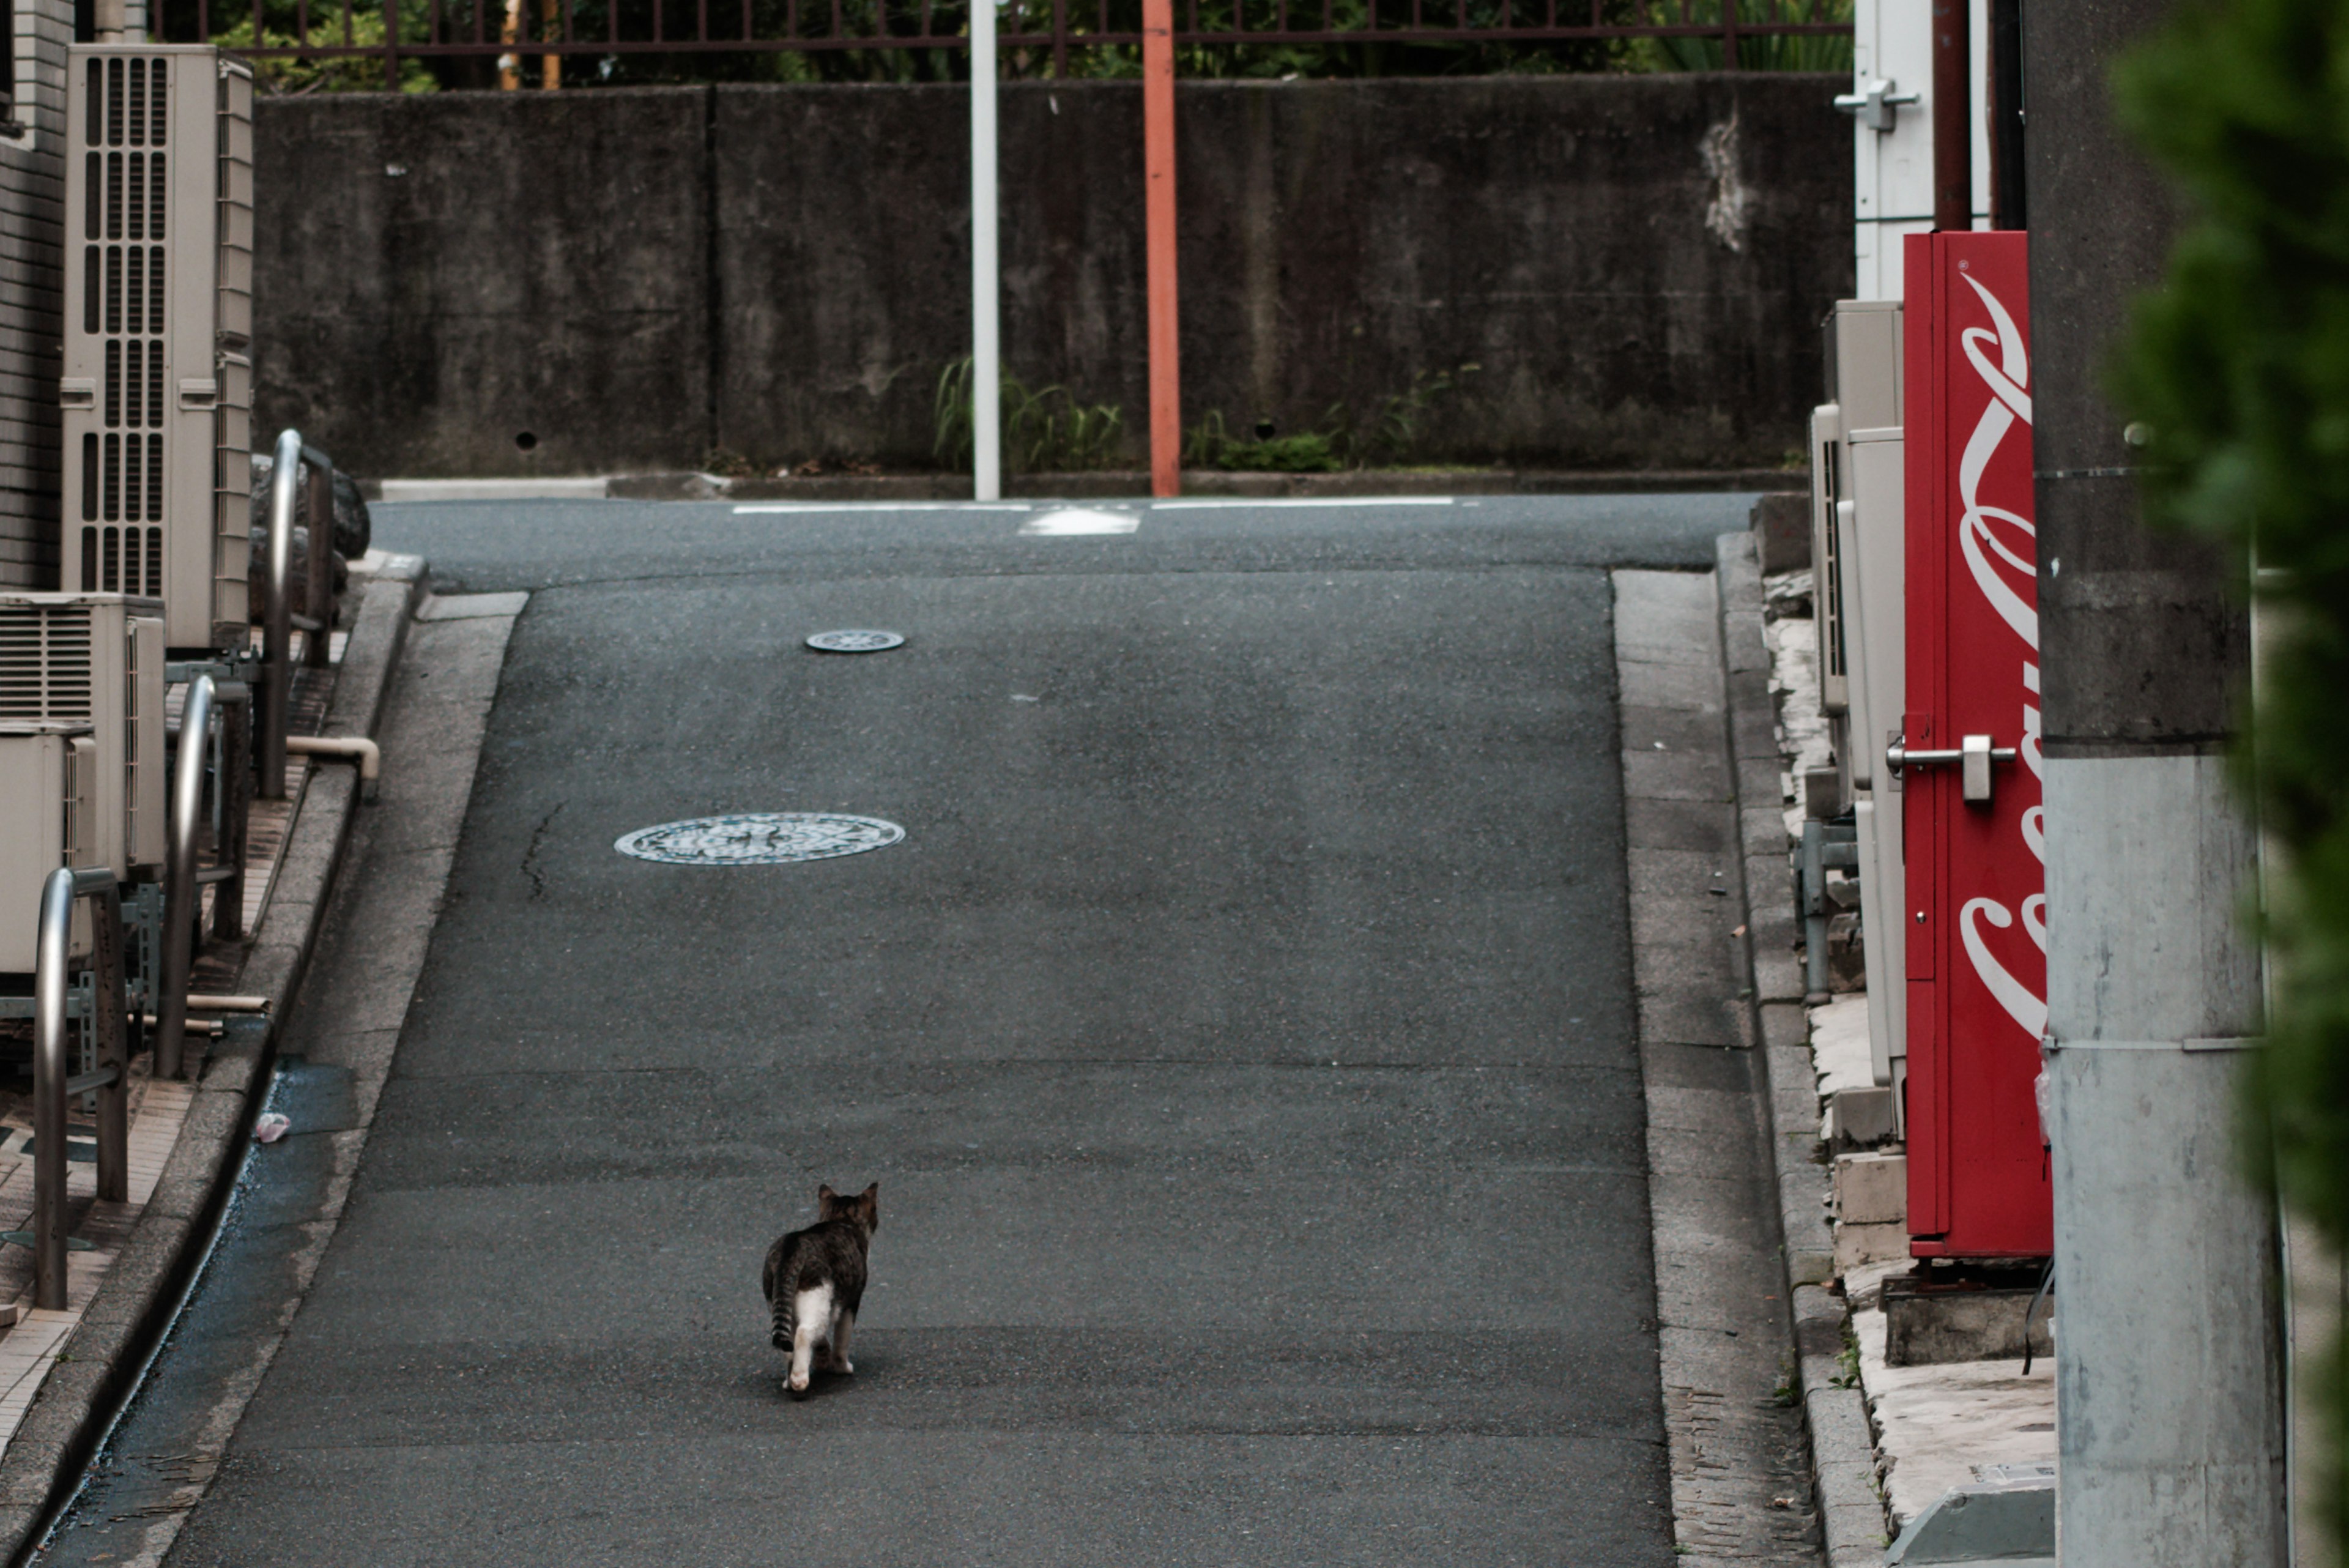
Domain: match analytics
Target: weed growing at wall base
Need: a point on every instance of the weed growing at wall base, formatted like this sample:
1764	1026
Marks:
1390	438
1045	429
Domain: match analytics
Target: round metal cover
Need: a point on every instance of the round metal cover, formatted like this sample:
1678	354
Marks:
758	838
855	642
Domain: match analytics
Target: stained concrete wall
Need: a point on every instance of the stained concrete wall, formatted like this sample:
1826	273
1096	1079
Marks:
632	278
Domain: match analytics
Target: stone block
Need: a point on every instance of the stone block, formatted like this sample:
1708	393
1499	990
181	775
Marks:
1782	531
1871	1189
1856	1246
1928	1323
1860	1118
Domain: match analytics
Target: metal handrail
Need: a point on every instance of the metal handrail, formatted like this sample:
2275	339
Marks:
277	624
286	482
52	1081
180	873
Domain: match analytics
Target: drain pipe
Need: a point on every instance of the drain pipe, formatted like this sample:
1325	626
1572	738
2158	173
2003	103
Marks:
180	876
345	748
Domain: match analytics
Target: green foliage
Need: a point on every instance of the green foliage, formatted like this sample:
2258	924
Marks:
1044	429
2237	372
1391	438
1767	52
1209	444
351	73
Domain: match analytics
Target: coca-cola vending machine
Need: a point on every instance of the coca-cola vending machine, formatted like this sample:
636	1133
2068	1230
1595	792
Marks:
1967	756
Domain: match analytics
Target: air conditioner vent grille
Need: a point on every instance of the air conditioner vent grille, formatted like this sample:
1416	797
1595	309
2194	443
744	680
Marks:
45	662
155	411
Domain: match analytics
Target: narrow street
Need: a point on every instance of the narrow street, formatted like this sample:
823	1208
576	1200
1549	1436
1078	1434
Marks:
1242	1037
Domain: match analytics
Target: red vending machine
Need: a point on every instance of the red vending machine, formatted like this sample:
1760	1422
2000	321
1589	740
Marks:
1968	757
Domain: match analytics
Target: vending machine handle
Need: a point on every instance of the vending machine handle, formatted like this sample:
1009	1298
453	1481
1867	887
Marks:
1973	757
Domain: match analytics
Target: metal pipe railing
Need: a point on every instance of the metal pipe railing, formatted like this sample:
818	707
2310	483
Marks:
277	624
180	873
344	748
52	1079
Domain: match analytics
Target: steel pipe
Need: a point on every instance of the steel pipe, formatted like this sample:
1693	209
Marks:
48	1225
346	748
277	626
51	953
180	874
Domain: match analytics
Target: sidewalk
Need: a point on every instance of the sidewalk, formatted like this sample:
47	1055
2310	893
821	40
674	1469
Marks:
1901	1437
63	1373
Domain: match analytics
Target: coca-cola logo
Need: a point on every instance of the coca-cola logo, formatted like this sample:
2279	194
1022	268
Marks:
2001	550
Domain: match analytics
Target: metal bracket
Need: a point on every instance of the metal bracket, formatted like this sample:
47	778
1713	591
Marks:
1876	106
1973	757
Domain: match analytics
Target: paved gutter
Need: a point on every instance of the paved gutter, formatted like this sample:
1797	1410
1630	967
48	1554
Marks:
1851	1509
45	1458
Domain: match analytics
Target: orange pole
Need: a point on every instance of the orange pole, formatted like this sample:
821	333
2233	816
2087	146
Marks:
1158	166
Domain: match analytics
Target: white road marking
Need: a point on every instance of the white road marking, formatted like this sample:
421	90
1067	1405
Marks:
1292	501
747	509
1082	520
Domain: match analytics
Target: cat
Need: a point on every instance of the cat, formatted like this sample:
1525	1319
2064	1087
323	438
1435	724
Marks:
815	1278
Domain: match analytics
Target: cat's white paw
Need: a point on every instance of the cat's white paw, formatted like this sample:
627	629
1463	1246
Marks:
798	1382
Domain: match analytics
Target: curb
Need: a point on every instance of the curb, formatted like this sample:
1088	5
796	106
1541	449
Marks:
1843	1456
1105	485
71	1413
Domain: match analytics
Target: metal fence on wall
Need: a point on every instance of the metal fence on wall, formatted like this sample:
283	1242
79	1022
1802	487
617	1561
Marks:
356	35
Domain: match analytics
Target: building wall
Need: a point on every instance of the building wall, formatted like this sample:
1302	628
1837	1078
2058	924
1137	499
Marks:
32	293
595	281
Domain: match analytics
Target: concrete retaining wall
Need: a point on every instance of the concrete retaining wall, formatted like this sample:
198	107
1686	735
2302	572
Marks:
633	278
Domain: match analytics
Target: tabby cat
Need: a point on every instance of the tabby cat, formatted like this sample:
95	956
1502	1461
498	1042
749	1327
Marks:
815	1278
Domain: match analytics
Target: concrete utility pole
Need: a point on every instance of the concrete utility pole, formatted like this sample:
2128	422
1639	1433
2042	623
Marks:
2169	1347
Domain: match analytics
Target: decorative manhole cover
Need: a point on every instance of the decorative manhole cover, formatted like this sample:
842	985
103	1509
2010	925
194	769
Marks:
855	642
758	838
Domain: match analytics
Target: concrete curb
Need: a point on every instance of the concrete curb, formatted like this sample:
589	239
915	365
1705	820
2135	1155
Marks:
1102	485
70	1413
1843	1456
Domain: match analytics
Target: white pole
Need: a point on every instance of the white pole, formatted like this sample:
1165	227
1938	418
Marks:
986	329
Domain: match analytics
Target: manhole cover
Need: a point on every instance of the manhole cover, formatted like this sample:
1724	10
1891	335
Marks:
758	838
855	642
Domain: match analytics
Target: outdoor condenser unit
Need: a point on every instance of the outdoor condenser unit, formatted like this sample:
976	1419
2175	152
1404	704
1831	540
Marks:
46	772
157	387
94	664
1864	367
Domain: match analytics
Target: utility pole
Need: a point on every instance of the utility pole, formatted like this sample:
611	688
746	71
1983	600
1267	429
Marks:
1953	107
1158	235
2168	1345
986	281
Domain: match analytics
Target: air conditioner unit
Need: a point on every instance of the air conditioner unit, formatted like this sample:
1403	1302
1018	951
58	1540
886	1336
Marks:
158	380
46	772
1864	367
95	661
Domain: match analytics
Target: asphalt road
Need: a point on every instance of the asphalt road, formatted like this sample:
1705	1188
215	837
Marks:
1241	1037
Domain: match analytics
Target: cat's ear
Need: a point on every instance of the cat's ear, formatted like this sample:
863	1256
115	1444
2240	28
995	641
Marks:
826	1200
869	1200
